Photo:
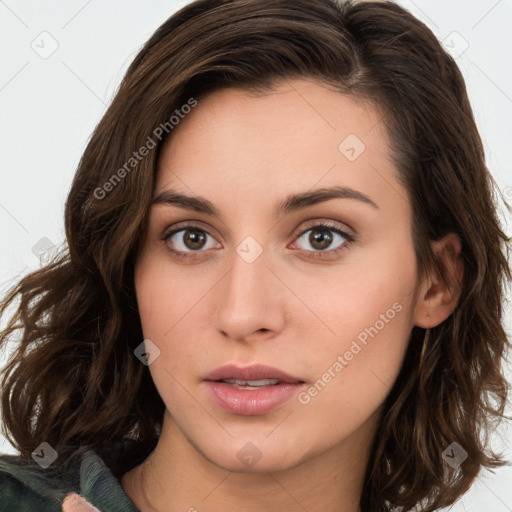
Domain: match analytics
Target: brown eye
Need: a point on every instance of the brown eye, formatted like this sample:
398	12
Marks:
320	239
324	238
187	240
194	239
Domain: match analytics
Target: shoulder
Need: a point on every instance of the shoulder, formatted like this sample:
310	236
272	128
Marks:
94	474
25	486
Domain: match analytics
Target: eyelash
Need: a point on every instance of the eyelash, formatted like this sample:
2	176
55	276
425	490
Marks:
349	239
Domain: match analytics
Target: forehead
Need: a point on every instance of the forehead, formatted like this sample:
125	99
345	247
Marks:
297	136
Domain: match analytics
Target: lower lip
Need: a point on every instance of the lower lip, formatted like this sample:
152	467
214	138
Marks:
249	402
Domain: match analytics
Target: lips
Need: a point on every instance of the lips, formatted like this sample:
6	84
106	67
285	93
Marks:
256	372
252	390
250	384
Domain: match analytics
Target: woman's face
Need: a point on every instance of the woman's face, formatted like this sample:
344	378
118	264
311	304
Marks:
240	274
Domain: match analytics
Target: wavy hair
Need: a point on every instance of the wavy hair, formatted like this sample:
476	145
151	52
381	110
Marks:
73	380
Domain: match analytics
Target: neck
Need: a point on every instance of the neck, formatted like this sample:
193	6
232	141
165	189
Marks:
178	477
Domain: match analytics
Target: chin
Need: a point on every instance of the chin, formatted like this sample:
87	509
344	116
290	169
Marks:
257	456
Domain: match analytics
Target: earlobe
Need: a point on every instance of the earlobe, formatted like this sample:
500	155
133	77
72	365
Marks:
438	298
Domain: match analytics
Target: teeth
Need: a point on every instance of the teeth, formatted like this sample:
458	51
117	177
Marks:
251	383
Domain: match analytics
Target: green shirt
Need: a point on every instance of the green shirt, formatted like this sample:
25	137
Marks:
27	487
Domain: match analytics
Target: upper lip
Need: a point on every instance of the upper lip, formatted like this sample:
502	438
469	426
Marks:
252	372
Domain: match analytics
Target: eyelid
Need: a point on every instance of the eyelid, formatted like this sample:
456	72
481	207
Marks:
330	224
169	231
312	223
327	254
298	233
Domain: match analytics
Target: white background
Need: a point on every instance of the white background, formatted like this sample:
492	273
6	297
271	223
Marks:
50	106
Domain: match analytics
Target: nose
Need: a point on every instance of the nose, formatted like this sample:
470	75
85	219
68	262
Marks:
250	300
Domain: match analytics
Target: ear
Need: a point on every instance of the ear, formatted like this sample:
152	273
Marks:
437	299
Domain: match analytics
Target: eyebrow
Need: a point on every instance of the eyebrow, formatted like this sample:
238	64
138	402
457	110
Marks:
291	203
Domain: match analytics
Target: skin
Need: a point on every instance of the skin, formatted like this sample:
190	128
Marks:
245	153
76	503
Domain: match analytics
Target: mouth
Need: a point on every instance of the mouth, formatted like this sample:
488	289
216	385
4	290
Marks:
250	384
252	390
253	375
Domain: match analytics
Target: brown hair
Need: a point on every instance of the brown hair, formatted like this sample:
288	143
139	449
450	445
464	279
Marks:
73	379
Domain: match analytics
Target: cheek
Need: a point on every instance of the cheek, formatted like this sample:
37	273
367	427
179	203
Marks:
369	324
164	298
169	300
369	296
162	301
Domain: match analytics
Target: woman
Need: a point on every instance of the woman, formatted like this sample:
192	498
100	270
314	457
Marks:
283	282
